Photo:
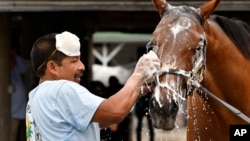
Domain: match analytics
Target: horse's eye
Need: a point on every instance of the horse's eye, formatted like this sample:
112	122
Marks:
149	46
198	48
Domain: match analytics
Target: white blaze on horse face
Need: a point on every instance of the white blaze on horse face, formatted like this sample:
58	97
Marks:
182	25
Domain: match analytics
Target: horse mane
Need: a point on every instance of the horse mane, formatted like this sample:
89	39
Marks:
238	31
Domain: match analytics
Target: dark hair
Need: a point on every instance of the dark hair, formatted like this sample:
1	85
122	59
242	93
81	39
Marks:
43	50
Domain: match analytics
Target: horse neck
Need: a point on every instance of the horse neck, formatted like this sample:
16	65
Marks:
227	70
228	78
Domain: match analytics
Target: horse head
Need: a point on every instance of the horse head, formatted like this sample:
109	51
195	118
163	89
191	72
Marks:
180	42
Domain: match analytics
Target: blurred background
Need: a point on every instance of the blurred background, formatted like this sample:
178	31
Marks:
113	35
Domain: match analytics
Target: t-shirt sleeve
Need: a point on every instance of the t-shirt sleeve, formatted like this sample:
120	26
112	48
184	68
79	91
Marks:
77	105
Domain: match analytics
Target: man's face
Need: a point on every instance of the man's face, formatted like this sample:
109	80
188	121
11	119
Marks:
71	69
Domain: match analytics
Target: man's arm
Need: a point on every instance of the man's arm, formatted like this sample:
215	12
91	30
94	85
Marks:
116	108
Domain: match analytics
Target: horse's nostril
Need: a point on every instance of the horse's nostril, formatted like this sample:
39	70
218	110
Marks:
175	107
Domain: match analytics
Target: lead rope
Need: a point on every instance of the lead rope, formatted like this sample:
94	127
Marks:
228	106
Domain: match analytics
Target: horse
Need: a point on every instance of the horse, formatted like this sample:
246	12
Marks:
205	62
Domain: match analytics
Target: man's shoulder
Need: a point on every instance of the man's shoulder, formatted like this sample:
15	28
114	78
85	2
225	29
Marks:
61	82
58	85
66	82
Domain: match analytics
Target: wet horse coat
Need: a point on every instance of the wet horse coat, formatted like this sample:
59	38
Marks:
212	51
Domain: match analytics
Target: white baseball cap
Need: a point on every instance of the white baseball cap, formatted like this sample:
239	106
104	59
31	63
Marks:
68	44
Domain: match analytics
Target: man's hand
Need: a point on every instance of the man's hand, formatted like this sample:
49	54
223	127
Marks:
147	66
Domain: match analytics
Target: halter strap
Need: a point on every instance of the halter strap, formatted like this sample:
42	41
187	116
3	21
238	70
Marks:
184	73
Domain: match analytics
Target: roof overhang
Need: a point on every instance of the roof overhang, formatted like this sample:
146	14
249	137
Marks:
43	6
119	37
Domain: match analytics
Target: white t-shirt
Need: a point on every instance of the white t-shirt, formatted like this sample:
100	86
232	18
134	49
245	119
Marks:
62	110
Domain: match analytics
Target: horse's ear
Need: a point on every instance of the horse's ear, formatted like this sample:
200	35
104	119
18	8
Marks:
207	9
160	5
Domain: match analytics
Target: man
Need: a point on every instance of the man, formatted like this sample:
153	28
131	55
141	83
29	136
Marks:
59	108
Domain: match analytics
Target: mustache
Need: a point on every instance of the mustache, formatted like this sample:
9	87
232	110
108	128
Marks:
80	73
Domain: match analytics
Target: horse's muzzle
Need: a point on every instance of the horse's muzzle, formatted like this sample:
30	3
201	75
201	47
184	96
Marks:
164	116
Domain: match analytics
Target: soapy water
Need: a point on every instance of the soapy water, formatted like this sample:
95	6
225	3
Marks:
178	95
